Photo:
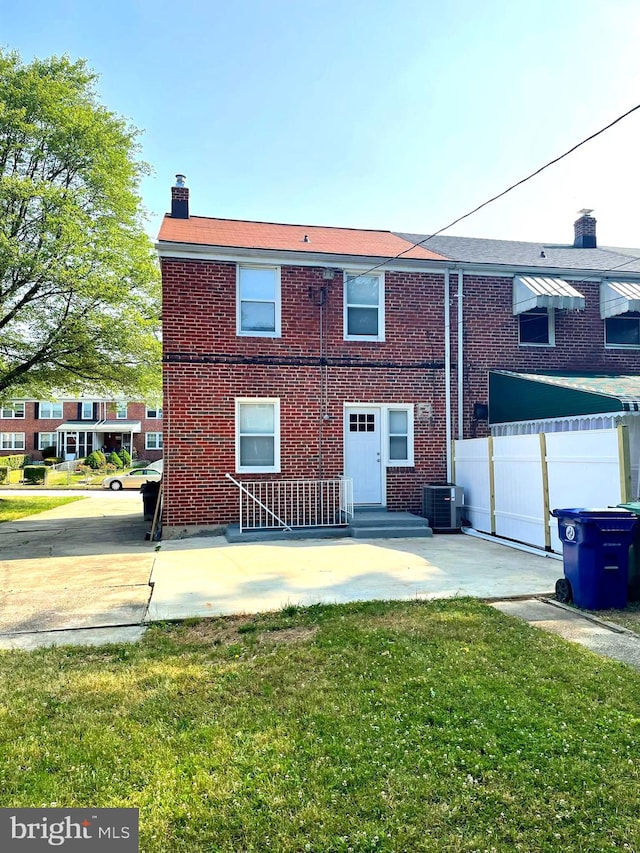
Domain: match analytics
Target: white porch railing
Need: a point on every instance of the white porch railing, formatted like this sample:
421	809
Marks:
288	504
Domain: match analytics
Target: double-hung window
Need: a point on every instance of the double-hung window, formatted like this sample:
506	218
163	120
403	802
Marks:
400	435
47	439
258	435
51	411
86	410
121	411
12	440
536	327
363	307
258	301
153	414
12	410
153	441
623	330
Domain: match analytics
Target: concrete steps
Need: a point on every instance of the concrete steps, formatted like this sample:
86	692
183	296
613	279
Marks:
378	523
366	524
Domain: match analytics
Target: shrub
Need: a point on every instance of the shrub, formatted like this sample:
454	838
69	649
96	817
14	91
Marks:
53	460
101	457
15	462
4	475
114	459
93	460
109	468
49	452
35	474
125	456
84	470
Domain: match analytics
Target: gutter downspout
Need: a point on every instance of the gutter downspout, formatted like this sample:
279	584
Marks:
460	360
447	372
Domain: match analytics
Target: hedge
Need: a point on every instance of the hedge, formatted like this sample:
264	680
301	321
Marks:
35	474
14	462
4	475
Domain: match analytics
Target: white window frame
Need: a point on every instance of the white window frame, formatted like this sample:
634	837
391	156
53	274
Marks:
380	337
121	414
157	413
609	345
277	302
157	443
83	416
12	411
12	441
48	405
551	322
259	469
409	409
52	440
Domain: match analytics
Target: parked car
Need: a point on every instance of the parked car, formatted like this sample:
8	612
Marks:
133	480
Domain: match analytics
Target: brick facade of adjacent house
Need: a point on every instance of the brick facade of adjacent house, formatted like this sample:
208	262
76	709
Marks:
32	427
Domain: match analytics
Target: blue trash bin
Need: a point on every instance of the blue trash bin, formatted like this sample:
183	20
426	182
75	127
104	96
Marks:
595	550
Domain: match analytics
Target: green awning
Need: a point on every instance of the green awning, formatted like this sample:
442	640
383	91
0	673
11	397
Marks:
533	396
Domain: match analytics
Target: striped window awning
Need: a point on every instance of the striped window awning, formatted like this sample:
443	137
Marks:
531	292
619	297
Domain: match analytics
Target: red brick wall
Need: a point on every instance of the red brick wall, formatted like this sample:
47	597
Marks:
207	366
31	426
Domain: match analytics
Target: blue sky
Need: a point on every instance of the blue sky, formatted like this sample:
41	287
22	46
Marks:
399	114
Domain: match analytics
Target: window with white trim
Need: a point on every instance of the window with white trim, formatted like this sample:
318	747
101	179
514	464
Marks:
12	410
47	439
623	330
12	440
153	414
258	301
86	410
49	411
400	435
153	441
121	411
258	435
363	307
537	328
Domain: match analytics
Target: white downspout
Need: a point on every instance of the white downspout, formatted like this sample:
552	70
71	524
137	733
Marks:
460	360
447	372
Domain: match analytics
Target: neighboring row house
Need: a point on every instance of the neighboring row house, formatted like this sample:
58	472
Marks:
76	427
306	353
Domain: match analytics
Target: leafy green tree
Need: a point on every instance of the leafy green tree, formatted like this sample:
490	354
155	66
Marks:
79	282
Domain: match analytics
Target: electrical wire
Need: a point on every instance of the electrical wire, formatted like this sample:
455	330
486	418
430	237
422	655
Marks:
508	190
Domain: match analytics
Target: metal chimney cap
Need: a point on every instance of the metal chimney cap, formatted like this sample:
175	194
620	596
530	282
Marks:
180	180
586	211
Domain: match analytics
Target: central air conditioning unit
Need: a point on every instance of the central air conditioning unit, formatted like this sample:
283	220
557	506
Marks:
442	506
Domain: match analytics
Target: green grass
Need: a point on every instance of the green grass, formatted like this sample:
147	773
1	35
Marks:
441	726
12	508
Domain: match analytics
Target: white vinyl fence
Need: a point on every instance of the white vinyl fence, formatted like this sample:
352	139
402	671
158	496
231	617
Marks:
511	483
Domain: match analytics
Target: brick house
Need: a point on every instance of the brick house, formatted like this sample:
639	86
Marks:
76	427
304	353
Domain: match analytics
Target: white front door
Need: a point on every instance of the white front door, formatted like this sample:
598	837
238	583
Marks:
362	454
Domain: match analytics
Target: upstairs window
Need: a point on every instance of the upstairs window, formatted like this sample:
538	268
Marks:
258	301
153	413
536	327
363	307
257	436
121	411
49	410
12	410
86	410
623	330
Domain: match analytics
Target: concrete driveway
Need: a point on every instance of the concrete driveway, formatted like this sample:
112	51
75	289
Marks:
84	573
82	565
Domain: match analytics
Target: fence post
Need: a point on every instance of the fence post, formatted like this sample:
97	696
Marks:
546	515
492	487
624	457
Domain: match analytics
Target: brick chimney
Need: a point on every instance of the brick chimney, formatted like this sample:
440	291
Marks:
180	199
585	231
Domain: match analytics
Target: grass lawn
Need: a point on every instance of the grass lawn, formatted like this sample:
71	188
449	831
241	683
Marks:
440	726
12	508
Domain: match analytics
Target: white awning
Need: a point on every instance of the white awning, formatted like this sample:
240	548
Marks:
100	426
618	297
537	292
